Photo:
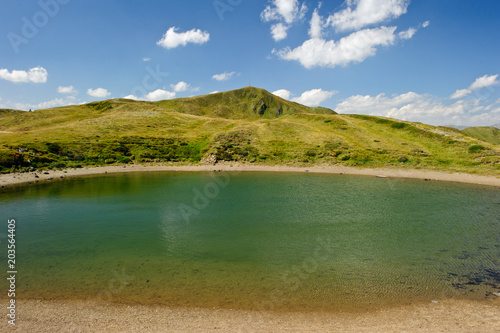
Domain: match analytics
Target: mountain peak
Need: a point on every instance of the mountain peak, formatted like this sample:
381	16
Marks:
247	102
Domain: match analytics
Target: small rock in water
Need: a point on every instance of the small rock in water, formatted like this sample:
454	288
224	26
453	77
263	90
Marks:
46	173
433	301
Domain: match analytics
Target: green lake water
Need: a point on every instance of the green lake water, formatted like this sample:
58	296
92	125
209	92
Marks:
282	241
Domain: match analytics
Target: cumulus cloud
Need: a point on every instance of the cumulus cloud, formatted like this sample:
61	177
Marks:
423	108
67	90
355	47
316	25
223	76
460	93
99	92
159	95
70	100
426	24
133	97
180	86
482	82
285	12
407	34
146	59
279	31
314	97
173	39
34	75
361	13
283	93
154	96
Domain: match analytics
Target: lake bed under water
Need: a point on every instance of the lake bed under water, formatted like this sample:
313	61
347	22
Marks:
282	241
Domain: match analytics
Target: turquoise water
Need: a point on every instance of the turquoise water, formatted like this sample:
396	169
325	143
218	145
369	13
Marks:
279	241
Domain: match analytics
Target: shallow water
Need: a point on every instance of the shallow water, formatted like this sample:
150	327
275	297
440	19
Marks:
255	240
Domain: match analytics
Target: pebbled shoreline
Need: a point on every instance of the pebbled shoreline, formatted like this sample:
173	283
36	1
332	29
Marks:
85	316
41	177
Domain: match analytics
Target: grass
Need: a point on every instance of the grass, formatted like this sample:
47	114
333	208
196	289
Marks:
488	134
229	126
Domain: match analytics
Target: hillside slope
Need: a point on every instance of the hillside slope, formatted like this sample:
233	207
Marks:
230	127
488	134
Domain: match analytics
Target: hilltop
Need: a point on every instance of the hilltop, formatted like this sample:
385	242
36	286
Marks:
247	125
245	103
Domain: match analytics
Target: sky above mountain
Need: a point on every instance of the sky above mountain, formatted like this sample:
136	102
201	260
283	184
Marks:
430	61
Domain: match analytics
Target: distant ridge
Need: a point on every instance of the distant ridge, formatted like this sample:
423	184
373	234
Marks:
488	134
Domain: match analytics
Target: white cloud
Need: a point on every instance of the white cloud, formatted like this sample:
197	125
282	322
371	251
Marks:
426	24
279	31
283	93
70	100
407	34
172	39
354	48
223	76
284	10
422	108
146	59
482	82
314	97
316	25
159	95
180	86
34	75
99	92
67	90
213	92
360	13
460	93
153	96
135	98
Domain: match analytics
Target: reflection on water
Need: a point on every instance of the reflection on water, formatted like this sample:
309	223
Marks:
256	240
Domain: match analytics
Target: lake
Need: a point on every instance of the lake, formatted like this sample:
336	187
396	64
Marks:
279	241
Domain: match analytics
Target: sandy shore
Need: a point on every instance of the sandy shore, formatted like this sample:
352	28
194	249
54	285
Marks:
85	316
37	177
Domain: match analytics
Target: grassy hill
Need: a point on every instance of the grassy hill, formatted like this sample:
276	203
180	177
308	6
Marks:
488	134
247	125
246	103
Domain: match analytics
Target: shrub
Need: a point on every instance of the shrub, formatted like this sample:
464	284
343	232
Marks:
476	148
398	125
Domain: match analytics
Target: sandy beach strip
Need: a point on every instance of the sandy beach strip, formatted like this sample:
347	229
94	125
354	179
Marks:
88	316
38	176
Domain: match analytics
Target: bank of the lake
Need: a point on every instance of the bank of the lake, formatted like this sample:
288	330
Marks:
51	175
80	316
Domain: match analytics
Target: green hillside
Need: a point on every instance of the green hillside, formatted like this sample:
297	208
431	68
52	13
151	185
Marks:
232	126
488	134
245	103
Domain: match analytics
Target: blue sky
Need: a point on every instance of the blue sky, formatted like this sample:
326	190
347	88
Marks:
430	61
